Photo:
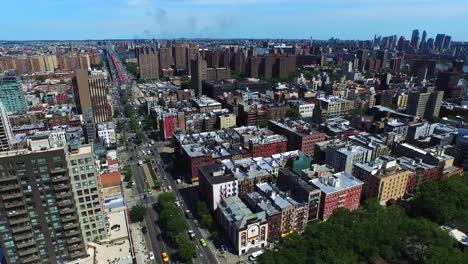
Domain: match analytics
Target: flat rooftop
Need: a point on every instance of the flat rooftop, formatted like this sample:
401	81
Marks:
337	182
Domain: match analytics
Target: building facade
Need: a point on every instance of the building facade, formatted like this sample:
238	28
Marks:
40	222
86	190
11	94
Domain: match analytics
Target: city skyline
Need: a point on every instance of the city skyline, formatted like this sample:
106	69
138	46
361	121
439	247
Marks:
295	19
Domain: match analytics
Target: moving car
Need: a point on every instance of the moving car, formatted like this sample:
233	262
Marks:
165	257
140	163
151	255
255	255
191	234
203	242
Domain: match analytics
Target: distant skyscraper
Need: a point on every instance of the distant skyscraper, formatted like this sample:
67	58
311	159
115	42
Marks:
422	45
39	220
6	135
430	44
11	94
91	94
415	39
148	62
447	42
439	42
401	43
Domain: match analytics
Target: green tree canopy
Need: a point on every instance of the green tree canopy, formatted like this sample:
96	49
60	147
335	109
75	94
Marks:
137	213
367	235
293	113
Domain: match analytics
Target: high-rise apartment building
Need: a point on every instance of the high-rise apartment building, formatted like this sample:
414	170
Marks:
180	57
39	221
6	135
424	104
91	94
198	68
11	94
83	177
165	58
148	62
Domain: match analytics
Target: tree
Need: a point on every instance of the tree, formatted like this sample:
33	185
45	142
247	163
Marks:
206	220
140	137
137	213
186	84
186	249
293	113
367	235
119	126
116	113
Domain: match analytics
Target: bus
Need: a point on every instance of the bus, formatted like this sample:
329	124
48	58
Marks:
255	255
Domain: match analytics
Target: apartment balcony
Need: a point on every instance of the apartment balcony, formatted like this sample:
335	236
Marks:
75	247
15	221
69	218
59	187
31	259
68	210
72	233
13	204
77	254
70	226
65	202
12	196
58	170
63	195
73	240
60	178
28	243
19	229
9	187
23	236
8	178
17	212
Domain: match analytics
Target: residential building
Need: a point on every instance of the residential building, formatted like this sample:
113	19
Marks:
383	179
106	132
265	146
301	136
39	221
245	229
420	173
424	104
86	191
216	184
341	190
205	104
331	107
91	96
11	94
6	133
227	120
343	158
301	190
148	62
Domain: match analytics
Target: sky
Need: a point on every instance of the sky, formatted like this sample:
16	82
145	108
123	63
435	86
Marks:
319	19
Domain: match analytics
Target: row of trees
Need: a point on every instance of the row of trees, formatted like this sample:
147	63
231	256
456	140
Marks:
444	202
372	234
175	226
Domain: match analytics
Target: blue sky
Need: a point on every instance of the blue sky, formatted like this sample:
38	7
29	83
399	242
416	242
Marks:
345	19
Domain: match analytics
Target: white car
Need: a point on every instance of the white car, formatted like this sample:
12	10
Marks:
151	255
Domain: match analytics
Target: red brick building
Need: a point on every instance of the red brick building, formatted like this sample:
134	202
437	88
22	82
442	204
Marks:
341	190
300	135
421	172
267	146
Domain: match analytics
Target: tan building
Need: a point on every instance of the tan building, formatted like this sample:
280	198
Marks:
383	179
402	101
148	62
91	95
86	190
331	107
227	121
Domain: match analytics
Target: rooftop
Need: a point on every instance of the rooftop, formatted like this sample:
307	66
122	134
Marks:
298	127
337	182
237	212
